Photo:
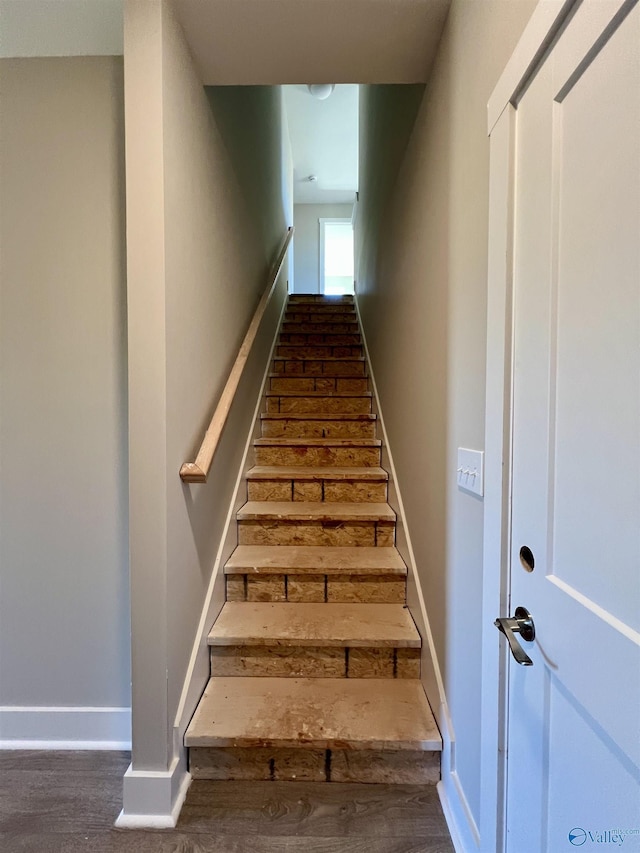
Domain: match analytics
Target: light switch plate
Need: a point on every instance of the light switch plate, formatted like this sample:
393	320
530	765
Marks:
470	473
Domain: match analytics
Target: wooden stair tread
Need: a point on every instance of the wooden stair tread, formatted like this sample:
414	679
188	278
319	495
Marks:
311	624
330	358
319	393
314	559
318	416
317	375
317	442
307	472
306	329
296	346
325	713
320	317
314	511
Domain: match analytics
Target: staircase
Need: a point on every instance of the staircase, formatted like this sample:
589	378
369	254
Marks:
315	660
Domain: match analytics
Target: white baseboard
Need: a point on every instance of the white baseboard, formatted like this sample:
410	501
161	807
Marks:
462	827
65	728
152	799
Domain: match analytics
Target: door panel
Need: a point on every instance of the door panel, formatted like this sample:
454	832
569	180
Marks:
596	486
574	716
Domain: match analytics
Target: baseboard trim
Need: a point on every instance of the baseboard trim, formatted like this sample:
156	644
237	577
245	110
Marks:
65	728
152	799
462	827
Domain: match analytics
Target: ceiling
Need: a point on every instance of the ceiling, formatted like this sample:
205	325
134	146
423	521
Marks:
324	142
245	42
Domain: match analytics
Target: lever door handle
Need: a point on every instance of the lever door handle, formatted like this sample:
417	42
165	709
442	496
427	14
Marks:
521	623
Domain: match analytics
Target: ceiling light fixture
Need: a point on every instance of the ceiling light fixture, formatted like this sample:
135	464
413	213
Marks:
321	91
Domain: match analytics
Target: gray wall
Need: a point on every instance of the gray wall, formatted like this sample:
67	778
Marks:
64	607
198	253
307	242
252	123
423	299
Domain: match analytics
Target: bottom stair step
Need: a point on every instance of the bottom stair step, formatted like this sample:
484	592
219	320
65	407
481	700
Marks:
322	713
322	730
264	764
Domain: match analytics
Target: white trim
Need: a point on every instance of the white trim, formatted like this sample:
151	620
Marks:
153	798
547	19
65	728
495	559
322	221
463	830
452	824
198	670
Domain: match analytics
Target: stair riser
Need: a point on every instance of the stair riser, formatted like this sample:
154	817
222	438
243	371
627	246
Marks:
404	767
317	429
334	534
293	316
319	328
362	457
315	662
319	299
298	367
318	351
319	405
371	589
317	338
319	308
323	384
332	491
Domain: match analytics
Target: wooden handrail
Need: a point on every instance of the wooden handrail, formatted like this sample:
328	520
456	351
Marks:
197	472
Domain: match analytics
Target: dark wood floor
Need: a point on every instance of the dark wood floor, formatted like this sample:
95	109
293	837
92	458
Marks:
66	802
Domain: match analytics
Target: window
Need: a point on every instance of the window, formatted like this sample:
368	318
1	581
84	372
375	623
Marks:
336	256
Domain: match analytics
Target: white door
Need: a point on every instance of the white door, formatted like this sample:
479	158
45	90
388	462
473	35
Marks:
573	768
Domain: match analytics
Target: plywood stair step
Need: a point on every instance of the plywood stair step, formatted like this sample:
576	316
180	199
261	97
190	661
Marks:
316	483
315	560
345	315
318	366
342	328
334	625
318	425
340	452
321	307
317	338
324	383
315	299
320	315
302	351
337	402
307	573
315	523
315	641
315	729
326	713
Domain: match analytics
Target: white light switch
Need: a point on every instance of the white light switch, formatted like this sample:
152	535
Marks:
470	472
